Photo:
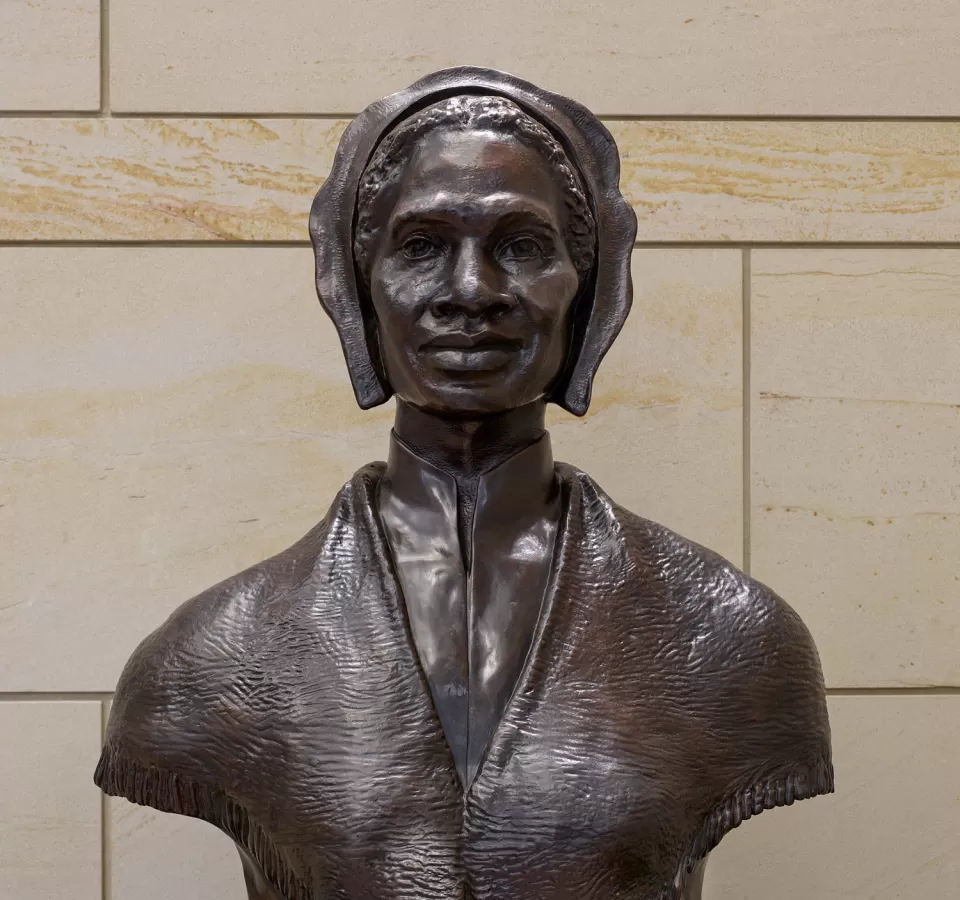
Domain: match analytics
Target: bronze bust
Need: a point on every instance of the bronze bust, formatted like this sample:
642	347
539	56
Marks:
477	676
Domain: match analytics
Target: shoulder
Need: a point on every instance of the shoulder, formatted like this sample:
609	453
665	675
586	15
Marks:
193	668
193	691
747	624
750	660
191	653
741	623
754	684
738	668
744	610
176	711
738	621
185	668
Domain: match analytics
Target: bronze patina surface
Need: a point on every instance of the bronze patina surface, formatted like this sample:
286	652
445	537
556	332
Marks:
477	676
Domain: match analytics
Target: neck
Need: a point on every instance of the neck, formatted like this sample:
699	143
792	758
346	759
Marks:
468	447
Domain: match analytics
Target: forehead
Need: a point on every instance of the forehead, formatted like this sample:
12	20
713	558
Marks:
478	173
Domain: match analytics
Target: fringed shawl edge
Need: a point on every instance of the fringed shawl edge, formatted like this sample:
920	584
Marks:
800	784
120	775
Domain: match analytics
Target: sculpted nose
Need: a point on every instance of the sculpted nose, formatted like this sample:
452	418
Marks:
475	288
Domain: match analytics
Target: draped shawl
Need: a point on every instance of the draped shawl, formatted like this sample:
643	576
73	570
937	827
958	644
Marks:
666	698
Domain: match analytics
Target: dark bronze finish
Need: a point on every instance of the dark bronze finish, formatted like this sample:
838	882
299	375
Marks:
472	628
477	677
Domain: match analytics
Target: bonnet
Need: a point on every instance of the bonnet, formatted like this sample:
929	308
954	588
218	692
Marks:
604	300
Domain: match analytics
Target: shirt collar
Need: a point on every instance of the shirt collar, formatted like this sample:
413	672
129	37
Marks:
522	487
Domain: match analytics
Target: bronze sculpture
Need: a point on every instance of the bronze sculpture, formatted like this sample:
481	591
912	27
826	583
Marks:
477	676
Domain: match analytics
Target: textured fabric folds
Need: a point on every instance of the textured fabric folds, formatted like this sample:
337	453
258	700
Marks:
667	698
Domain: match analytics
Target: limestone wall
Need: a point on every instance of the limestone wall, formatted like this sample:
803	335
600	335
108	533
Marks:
174	405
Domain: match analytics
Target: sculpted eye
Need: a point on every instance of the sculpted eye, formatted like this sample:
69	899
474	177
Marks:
419	246
521	248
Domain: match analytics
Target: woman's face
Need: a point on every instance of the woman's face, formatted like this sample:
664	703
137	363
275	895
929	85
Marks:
471	279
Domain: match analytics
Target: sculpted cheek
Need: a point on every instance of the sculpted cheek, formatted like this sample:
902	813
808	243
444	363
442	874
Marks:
552	298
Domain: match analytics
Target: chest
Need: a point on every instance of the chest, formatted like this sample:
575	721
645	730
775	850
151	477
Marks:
589	785
585	789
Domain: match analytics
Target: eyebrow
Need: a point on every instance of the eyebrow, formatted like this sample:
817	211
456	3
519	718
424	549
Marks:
446	214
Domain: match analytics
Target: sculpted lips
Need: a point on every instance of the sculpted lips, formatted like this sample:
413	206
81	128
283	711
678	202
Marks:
459	351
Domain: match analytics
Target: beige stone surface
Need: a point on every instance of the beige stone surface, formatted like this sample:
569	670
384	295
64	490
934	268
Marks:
892	830
855	429
792	181
159	856
50	55
167	417
775	57
207	179
664	432
161	179
49	809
